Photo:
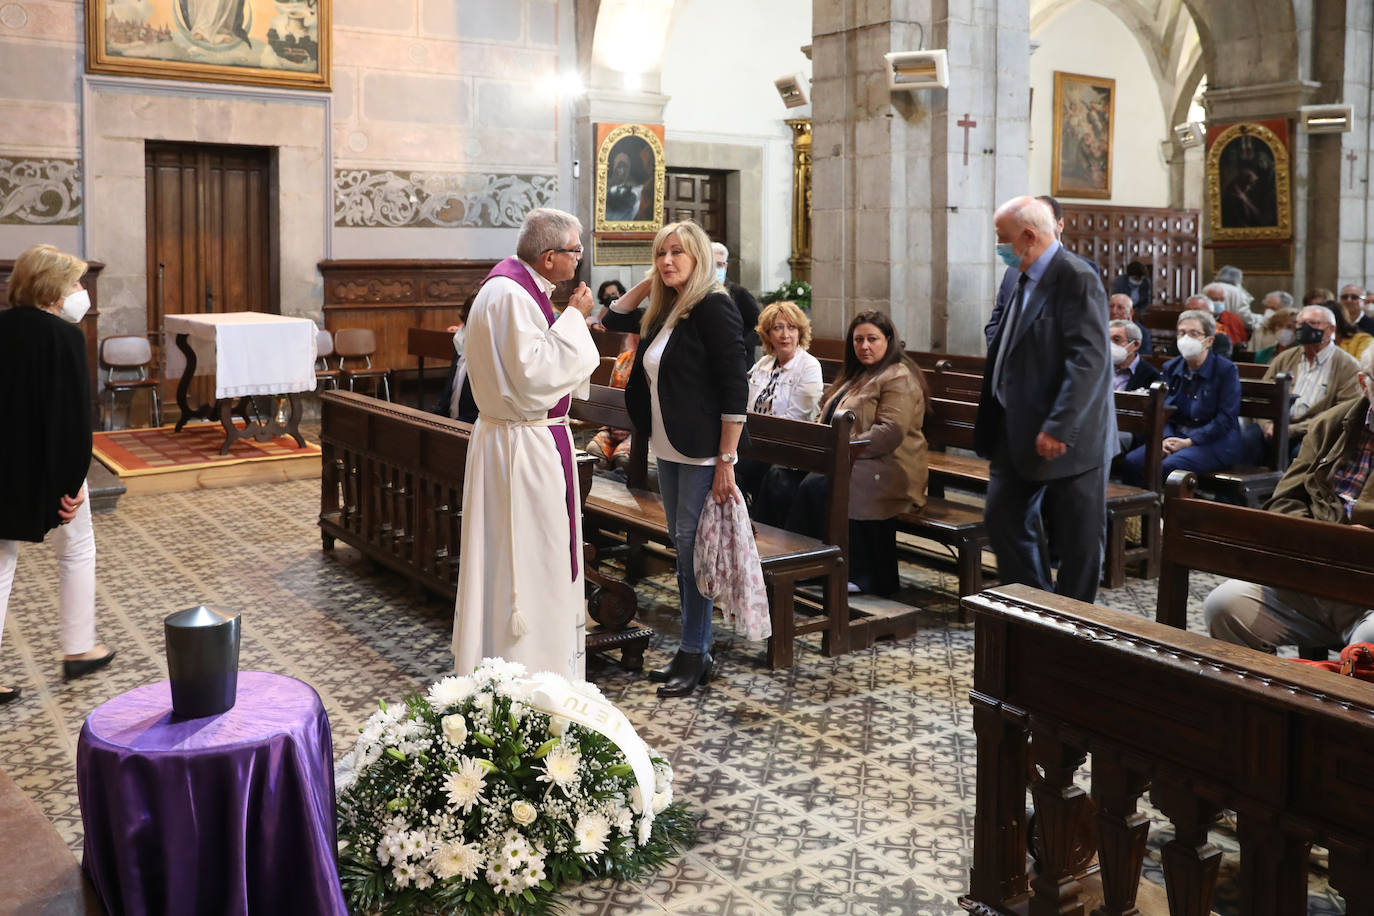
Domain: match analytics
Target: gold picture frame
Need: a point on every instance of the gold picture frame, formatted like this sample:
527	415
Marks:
630	178
1084	117
1248	192
279	43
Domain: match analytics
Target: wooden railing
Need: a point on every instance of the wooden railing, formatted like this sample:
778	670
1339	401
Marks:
1202	725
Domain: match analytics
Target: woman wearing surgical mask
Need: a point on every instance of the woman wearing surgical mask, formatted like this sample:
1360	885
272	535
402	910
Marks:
1231	312
1281	325
43	466
1203	432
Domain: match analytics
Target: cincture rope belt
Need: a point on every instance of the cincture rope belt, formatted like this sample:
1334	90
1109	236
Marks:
518	625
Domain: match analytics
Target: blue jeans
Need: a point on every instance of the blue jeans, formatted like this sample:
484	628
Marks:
685	489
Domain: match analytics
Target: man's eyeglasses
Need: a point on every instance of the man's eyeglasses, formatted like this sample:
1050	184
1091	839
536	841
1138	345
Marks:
576	252
1351	296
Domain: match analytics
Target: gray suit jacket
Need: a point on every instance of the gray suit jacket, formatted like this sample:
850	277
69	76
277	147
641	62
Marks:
1060	373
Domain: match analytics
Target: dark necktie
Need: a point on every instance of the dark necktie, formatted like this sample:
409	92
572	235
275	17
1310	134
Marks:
1013	317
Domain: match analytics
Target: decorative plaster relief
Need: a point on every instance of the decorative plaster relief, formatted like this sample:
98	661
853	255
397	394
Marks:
395	199
40	191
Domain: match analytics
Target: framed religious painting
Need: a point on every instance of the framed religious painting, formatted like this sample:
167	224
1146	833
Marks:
630	180
281	43
1084	108
1248	195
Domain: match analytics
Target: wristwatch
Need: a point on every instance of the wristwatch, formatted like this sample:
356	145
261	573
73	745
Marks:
727	457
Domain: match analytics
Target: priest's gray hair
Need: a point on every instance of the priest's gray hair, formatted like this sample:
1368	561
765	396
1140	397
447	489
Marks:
544	229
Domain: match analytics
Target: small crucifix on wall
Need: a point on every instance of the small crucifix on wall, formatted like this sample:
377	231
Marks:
965	123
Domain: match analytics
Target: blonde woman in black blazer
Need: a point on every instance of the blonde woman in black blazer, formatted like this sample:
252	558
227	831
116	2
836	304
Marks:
687	394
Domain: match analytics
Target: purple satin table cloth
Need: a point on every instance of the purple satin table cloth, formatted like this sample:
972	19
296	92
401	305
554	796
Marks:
227	814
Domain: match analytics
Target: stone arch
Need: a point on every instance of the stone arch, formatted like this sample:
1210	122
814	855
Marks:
1248	42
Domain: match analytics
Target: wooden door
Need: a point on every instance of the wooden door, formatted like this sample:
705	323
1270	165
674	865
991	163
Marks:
700	196
211	241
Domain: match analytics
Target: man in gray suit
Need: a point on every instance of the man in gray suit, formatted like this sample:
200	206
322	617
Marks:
1046	418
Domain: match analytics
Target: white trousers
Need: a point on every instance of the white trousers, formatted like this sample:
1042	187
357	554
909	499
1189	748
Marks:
75	546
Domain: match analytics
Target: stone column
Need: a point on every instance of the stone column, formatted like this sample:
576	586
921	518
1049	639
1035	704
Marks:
905	184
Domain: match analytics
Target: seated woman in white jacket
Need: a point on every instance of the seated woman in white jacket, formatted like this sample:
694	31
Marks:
785	383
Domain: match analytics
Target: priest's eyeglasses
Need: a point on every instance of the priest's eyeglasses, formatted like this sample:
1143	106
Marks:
575	252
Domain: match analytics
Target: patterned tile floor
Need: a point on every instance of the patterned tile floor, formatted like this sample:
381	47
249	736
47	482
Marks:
842	786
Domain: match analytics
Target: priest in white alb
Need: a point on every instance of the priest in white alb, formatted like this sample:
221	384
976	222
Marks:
520	593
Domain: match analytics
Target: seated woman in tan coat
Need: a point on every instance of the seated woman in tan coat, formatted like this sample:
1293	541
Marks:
887	394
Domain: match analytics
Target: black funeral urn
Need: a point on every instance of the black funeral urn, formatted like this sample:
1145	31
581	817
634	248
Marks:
202	660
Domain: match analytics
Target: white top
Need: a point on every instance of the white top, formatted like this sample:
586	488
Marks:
248	353
658	438
797	394
1312	378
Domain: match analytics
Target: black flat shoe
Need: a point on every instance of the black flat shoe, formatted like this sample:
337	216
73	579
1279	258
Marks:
9	696
694	669
80	667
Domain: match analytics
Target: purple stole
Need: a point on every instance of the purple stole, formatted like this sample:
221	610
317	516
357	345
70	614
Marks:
512	269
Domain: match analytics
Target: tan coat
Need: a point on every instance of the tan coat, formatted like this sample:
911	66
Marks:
1306	488
890	476
1342	385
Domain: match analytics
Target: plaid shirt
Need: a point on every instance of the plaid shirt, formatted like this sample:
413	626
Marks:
1349	474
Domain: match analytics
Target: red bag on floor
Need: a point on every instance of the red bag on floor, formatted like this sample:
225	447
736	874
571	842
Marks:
1356	660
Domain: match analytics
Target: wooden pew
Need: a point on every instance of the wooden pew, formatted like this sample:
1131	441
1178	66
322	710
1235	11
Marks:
424	343
1282	551
786	558
1203	725
1162	323
1251	486
391	485
609	343
950	419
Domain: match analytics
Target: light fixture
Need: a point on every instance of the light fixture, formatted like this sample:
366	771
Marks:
792	89
1188	134
912	70
1324	119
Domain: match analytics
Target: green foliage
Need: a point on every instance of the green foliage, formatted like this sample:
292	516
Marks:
798	291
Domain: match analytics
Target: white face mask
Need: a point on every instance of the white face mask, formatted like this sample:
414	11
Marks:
1118	354
1189	347
720	275
1218	307
1285	337
75	306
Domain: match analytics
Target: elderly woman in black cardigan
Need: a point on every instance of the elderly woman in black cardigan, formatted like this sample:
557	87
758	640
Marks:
43	466
687	395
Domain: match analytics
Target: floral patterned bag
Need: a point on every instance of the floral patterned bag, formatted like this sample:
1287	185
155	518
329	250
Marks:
728	568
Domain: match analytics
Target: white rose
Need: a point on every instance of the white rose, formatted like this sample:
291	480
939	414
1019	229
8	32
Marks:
456	729
523	813
661	800
557	725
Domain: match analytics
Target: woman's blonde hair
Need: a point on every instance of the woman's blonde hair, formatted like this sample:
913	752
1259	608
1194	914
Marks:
42	275
791	313
669	305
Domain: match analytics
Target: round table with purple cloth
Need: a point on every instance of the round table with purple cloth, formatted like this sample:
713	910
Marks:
231	813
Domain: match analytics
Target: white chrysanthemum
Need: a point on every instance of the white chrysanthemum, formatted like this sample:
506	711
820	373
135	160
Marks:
465	784
483	702
592	832
561	765
451	691
457	859
623	819
661	800
498	669
402	873
455	729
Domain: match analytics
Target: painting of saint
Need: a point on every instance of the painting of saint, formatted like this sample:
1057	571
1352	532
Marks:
264	42
1083	109
1249	197
630	192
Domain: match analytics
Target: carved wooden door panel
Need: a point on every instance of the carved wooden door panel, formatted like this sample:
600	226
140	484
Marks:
700	196
211	238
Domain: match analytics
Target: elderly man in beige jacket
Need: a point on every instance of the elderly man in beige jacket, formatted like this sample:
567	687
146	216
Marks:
1323	376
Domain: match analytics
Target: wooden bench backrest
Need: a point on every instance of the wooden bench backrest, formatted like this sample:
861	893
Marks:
1206	724
827	348
427	343
609	343
1144	413
949	423
1251	370
1282	551
959	362
1269	400
791	443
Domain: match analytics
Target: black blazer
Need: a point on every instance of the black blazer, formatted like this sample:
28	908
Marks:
1144	374
749	318
1060	373
702	376
47	419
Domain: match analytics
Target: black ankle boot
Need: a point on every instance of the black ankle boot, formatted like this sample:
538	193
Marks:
674	667
687	671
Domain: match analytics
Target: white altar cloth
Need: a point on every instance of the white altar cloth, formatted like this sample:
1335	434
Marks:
248	353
